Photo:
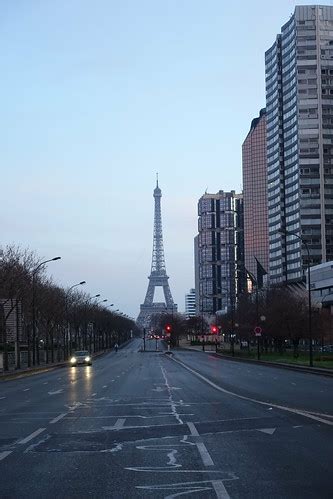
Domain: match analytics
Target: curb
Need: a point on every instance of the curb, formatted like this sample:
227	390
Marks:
310	370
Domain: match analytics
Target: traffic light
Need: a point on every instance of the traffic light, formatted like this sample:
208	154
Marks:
214	329
168	328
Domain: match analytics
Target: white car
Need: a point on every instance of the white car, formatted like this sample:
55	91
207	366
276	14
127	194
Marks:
81	357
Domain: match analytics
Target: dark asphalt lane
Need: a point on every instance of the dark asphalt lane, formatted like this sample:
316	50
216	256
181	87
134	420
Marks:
141	425
303	391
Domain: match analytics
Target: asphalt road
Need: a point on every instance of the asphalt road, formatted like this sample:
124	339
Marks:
146	425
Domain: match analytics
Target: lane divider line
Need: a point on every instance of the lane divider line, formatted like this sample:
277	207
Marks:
119	424
203	451
55	420
220	490
31	436
243	397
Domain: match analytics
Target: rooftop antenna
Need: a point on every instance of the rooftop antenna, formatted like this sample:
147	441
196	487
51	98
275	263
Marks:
156	179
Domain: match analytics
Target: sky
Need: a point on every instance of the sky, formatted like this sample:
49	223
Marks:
98	96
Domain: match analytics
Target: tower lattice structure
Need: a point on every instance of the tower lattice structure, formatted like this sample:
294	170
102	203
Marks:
158	276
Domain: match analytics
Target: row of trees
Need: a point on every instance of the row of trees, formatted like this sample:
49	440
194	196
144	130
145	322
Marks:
282	314
50	318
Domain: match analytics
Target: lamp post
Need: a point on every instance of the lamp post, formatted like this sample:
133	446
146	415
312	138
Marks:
102	301
34	346
290	233
69	333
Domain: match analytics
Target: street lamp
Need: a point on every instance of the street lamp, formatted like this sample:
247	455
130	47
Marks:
290	233
69	336
102	301
34	272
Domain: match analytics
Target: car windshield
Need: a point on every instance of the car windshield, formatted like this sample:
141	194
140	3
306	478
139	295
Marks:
81	353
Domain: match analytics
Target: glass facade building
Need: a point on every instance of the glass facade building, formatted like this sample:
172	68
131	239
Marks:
299	113
220	247
255	195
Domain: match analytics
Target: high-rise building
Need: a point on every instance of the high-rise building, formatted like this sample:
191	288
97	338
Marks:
255	195
190	304
220	251
196	274
299	113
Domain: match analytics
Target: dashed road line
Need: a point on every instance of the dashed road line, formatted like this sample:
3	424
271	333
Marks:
55	420
220	490
26	389
31	436
204	454
119	423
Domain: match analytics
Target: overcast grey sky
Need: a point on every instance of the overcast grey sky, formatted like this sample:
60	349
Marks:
99	95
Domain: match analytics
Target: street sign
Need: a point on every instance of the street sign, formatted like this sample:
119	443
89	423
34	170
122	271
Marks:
257	331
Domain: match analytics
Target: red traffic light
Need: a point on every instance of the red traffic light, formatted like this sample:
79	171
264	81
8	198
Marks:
168	328
214	329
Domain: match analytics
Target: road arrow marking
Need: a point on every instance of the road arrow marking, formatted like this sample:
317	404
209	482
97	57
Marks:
56	392
269	431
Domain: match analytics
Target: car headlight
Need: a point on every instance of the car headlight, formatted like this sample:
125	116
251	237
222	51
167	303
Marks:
73	360
87	359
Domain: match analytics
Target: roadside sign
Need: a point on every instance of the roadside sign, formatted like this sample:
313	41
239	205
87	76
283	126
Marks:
257	331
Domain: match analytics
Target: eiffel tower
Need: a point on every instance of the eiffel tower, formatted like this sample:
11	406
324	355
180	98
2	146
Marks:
158	276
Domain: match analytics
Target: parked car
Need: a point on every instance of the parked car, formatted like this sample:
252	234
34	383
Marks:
81	357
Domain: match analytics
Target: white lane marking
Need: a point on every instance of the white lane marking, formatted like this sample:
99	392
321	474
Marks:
105	386
4	454
93	394
31	436
56	392
26	389
281	407
55	420
45	383
269	431
2	398
119	423
204	454
172	402
220	490
193	430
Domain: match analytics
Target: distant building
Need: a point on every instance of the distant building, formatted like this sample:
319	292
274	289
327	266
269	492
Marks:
196	274
220	251
299	114
190	309
321	284
254	165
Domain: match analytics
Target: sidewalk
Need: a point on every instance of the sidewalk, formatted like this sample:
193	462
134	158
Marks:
294	367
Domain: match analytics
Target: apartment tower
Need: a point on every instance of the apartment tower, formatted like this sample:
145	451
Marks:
299	113
220	250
